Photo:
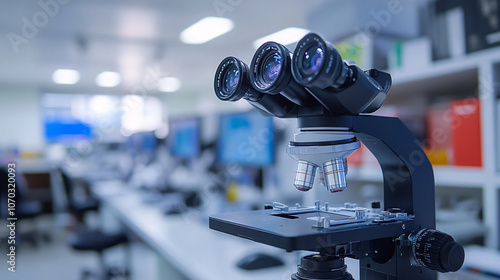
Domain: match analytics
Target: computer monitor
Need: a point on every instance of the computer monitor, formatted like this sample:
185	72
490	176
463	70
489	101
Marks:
148	141
246	139
142	142
66	130
184	138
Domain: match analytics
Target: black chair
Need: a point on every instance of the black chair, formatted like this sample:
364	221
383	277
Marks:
76	207
85	239
24	209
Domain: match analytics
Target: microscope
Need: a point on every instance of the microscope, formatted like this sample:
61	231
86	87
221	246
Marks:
332	101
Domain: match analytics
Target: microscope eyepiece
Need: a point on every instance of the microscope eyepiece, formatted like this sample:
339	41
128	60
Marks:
271	72
316	63
311	60
232	81
271	68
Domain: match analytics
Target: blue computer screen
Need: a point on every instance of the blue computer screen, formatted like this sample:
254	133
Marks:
66	129
148	141
184	138
142	142
246	138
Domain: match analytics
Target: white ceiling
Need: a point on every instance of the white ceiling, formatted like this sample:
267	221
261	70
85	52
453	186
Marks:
138	38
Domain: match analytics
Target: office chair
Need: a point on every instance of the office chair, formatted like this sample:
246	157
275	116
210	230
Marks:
77	208
85	239
24	209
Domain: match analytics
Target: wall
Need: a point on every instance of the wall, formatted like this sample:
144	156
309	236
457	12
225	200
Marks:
20	119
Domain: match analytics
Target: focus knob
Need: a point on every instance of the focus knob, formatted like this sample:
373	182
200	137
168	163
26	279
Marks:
437	251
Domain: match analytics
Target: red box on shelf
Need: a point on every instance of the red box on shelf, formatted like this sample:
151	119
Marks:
439	146
466	132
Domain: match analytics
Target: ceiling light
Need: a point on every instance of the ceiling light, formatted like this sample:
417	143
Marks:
66	76
108	79
286	36
169	84
206	29
101	104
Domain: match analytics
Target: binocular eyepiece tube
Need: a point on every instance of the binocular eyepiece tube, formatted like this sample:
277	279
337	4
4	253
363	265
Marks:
271	72
313	77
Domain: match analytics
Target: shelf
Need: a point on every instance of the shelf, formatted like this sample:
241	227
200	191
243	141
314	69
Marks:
462	81
446	67
452	176
463	230
364	173
452	75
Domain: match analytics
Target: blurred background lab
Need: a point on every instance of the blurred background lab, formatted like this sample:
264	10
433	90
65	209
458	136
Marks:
121	150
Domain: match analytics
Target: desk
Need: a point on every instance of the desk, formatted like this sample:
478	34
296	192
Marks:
185	242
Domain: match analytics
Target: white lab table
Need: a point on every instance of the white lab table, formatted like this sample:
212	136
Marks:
185	242
197	252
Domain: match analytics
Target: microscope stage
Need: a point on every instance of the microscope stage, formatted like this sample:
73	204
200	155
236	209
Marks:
302	231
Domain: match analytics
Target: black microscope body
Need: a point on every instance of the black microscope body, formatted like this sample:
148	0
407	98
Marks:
332	101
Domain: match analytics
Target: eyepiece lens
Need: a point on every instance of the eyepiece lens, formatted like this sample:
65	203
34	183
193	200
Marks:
231	78
271	68
312	59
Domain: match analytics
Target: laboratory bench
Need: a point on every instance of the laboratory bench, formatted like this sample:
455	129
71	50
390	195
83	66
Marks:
187	249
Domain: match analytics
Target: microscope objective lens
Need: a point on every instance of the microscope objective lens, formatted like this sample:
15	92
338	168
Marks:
304	176
335	174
